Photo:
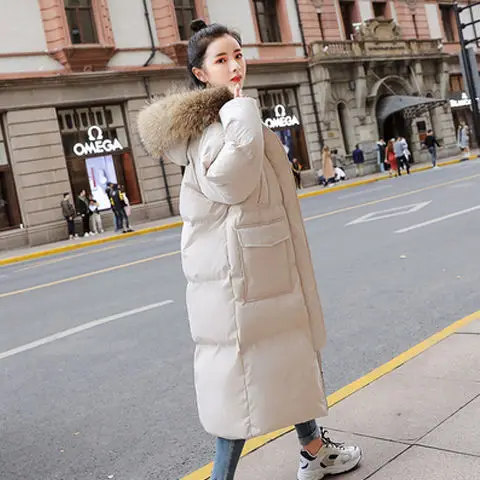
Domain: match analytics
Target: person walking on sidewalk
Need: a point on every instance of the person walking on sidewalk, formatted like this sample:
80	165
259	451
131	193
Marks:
431	143
253	306
463	139
296	170
118	208
399	149
327	167
381	145
84	211
358	160
68	211
95	217
391	159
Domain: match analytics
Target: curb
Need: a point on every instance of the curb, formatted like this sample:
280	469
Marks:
168	226
352	388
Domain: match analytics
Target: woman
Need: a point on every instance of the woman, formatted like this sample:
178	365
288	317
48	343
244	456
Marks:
392	159
464	139
252	299
296	169
327	166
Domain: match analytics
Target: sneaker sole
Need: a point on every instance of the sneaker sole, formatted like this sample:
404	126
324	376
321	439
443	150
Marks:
348	467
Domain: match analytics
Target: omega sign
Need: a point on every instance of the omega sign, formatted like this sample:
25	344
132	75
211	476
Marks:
97	144
281	119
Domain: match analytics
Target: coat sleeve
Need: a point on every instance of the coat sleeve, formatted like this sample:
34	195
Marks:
231	173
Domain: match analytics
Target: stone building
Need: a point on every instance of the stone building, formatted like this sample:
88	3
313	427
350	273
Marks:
75	73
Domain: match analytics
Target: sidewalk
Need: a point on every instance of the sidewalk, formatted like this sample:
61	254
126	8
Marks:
29	253
421	421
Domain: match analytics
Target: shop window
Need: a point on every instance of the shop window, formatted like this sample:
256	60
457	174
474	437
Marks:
81	23
380	9
9	209
284	102
344	121
91	167
447	14
347	11
186	13
267	20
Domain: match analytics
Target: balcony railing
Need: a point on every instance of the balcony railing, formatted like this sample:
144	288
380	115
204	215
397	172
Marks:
336	50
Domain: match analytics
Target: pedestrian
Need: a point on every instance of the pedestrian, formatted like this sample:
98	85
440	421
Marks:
68	211
83	208
327	166
252	299
381	146
358	160
96	225
431	143
399	149
338	165
463	139
118	208
296	169
391	159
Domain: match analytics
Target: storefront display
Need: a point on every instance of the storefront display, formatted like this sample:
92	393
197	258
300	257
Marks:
280	113
97	150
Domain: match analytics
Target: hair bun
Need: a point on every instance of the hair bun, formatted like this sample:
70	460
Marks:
198	25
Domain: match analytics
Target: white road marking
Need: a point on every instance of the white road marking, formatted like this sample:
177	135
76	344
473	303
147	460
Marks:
364	192
439	219
391	212
80	328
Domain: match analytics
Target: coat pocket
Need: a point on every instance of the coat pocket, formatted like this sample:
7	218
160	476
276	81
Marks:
267	270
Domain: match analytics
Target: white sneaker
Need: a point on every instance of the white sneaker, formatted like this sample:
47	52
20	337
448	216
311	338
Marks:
85	234
332	459
436	167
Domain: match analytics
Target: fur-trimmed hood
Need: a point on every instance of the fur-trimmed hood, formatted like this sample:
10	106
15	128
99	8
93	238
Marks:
167	125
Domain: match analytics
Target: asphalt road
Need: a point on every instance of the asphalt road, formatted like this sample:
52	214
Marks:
114	399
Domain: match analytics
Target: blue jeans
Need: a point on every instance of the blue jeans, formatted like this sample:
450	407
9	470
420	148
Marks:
433	153
228	452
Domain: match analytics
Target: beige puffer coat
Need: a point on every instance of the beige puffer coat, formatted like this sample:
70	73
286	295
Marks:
253	306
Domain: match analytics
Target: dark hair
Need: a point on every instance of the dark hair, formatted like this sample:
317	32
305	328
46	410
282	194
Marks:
335	151
66	194
203	36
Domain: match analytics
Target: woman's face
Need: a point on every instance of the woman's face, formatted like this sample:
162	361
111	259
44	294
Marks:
224	64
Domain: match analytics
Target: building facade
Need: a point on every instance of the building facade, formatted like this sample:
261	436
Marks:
75	73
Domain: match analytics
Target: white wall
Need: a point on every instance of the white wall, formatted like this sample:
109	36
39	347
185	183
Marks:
21	27
129	24
431	9
393	9
237	14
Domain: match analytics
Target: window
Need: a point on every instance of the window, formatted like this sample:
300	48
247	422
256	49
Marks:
379	9
9	209
81	21
92	170
456	83
186	13
267	20
346	8
447	22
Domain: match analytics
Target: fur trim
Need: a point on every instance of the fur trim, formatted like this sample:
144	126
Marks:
180	116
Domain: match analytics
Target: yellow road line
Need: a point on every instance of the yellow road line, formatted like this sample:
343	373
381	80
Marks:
86	275
168	226
392	197
256	443
90	243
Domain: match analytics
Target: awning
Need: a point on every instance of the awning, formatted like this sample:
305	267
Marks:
411	107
